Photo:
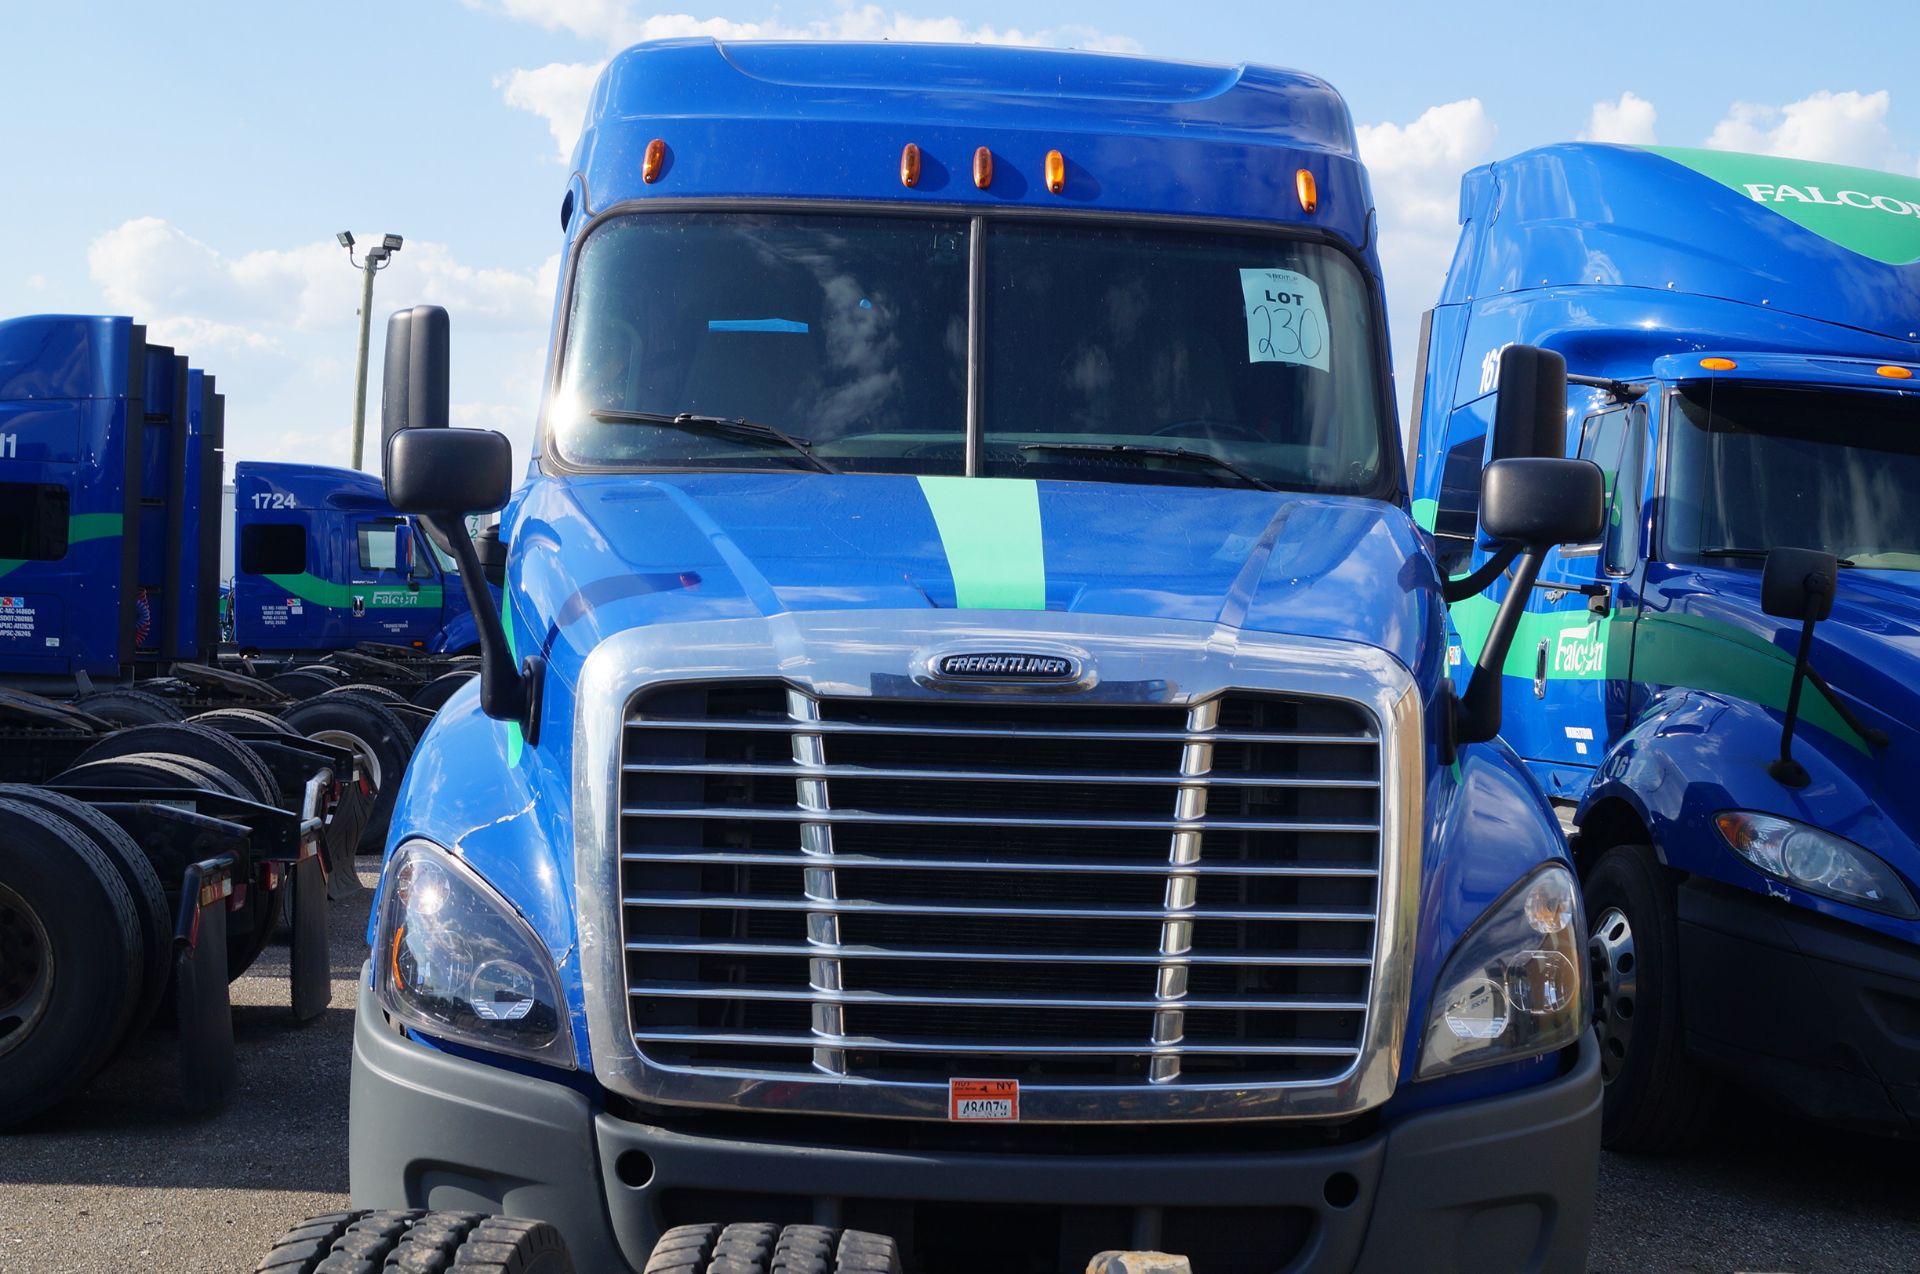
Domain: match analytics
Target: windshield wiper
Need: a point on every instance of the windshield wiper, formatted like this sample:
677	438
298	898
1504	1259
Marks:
1161	453
731	426
1757	555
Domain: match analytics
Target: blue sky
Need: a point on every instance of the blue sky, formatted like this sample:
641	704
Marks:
190	163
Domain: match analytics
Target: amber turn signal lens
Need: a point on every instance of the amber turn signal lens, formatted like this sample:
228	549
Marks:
983	168
1895	373
656	157
1308	189
910	165
1056	171
1718	364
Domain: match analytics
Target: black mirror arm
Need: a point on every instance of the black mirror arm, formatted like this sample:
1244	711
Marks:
1789	772
1873	737
1479	718
1462	587
507	693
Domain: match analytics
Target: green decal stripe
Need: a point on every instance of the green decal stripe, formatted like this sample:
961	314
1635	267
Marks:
1873	213
516	737
322	592
1424	512
1666	650
990	529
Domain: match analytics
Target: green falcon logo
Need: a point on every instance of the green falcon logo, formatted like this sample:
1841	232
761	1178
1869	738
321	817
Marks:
1873	213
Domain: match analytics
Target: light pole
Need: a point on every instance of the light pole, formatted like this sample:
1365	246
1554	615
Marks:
377	260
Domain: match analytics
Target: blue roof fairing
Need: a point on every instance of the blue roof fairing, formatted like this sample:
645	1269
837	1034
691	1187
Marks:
828	121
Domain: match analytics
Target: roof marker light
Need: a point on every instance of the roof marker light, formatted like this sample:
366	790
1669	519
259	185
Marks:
910	165
983	168
1892	372
1718	364
1056	171
655	157
1308	189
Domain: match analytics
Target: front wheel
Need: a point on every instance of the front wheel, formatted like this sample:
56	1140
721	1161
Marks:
418	1242
1656	1099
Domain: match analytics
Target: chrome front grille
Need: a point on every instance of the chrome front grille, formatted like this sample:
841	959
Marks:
911	890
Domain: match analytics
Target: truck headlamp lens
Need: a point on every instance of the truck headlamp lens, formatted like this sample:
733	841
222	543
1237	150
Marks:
454	961
1817	861
1513	986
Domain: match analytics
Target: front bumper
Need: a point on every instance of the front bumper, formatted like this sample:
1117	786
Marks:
1503	1183
1820	1015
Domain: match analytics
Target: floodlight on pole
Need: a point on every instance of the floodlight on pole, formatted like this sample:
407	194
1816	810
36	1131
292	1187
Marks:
377	259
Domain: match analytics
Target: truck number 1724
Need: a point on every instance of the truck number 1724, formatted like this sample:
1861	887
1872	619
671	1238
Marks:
274	500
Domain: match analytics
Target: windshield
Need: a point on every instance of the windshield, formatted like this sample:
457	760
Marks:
1101	352
1757	466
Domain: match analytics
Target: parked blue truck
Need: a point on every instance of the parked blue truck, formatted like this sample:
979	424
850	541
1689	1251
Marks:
968	755
323	562
1744	332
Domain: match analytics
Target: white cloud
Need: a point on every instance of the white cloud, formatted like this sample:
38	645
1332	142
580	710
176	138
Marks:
1628	121
558	92
278	326
1837	128
1416	172
36	283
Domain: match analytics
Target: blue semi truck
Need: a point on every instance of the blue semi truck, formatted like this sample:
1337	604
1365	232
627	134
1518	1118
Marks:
968	752
1720	688
322	562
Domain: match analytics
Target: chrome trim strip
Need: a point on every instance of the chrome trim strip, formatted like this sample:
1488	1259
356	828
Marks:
1075	866
1067	1048
974	732
760	814
866	654
736	991
764	770
1181	908
819	886
1176	931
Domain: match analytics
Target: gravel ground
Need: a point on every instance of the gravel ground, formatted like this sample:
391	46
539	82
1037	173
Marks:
120	1180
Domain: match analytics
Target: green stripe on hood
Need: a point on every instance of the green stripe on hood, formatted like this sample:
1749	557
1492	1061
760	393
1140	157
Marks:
990	530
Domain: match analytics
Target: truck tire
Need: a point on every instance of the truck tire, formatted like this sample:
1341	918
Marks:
418	1243
70	960
141	880
124	706
305	682
377	735
434	695
760	1247
382	694
1656	1100
200	743
243	720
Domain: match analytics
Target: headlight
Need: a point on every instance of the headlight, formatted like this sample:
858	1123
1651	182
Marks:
1819	862
453	960
1514	985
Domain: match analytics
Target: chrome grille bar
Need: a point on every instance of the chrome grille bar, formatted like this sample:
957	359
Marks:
1176	931
823	922
961	732
735	990
985	820
1003	1047
1267	959
993	776
1180	908
1078	867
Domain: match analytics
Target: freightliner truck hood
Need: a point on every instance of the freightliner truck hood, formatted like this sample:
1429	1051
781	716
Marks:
600	554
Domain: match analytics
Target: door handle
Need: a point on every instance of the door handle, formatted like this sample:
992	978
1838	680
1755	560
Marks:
1540	671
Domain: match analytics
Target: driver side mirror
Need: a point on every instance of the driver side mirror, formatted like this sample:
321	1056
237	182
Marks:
1798	584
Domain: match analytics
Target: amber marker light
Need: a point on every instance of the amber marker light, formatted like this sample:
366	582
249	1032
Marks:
909	165
1308	189
983	168
1894	373
651	164
1718	364
1056	171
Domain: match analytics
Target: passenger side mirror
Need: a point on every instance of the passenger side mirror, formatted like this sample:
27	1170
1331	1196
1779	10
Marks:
414	378
442	472
1530	414
1530	504
492	552
1798	584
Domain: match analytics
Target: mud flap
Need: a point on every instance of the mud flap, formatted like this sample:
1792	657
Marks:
309	967
203	1012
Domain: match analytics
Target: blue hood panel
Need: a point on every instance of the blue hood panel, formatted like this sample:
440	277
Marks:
671	548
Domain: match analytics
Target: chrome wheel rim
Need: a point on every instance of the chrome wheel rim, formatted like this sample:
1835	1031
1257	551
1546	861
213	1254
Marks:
1616	988
26	970
369	763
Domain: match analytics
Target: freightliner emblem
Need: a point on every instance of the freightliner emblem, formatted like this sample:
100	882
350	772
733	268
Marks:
1008	665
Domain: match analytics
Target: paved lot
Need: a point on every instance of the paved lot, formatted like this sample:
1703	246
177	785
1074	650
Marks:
120	1180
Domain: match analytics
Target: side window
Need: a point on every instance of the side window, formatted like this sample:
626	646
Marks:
1601	437
1456	521
378	544
273	550
1624	486
33	521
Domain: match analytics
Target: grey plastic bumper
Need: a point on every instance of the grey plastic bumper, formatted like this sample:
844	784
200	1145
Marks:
1503	1183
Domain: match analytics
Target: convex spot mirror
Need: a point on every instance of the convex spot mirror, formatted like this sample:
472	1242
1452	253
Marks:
1798	583
1537	503
448	471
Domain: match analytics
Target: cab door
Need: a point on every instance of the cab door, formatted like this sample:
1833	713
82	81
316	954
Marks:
1573	639
386	601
